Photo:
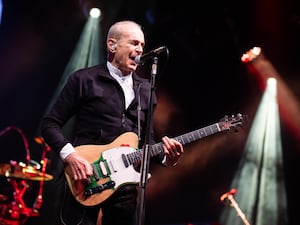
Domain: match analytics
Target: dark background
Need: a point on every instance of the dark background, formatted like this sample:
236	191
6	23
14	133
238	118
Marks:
202	81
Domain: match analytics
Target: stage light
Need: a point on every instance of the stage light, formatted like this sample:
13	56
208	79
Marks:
272	83
251	54
262	69
95	12
260	176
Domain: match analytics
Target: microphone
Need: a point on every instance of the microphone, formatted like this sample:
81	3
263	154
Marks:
140	59
227	194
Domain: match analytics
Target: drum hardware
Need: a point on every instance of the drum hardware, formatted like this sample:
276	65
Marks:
19	174
16	212
39	200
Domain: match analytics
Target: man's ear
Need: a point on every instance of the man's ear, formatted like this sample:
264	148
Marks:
112	44
113	47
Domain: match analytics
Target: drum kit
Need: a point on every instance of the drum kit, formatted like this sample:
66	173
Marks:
19	174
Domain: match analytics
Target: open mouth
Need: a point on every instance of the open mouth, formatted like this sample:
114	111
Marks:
133	58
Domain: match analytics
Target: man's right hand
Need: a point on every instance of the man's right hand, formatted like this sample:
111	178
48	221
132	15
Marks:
80	168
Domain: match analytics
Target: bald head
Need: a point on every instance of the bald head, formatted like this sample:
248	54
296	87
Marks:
119	28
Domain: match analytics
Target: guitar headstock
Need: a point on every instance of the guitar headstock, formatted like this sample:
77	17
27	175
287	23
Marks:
232	122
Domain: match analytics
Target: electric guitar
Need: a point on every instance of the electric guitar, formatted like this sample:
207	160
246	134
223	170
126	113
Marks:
113	164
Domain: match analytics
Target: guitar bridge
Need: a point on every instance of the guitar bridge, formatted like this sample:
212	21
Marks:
94	190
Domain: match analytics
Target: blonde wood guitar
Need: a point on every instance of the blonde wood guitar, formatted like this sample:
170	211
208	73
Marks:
113	164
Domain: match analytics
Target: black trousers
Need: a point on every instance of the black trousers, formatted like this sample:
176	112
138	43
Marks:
118	209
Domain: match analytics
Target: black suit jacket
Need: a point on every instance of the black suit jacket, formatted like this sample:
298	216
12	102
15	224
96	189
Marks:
97	101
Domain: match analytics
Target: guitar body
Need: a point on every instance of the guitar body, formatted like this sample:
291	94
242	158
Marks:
114	171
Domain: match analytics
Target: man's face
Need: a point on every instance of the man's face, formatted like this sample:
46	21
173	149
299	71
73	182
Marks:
128	46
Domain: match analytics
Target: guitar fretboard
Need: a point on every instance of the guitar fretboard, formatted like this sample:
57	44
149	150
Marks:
184	139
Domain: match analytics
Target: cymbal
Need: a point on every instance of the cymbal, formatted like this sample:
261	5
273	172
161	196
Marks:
23	172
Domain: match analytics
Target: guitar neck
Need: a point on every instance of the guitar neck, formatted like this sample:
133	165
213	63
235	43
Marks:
184	139
190	137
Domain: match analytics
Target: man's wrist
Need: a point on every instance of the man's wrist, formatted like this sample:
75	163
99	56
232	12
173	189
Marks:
66	150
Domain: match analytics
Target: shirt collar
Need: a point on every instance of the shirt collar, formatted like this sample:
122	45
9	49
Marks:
114	70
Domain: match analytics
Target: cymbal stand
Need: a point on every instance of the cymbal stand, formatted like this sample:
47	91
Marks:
18	206
39	200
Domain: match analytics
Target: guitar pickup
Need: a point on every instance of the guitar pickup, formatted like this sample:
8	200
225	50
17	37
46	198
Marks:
96	172
94	190
100	170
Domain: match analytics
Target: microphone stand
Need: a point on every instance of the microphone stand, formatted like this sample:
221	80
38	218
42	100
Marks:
146	158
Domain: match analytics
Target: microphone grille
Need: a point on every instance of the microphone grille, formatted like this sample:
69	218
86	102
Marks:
137	59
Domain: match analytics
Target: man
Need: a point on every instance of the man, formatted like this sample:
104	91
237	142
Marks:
108	100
